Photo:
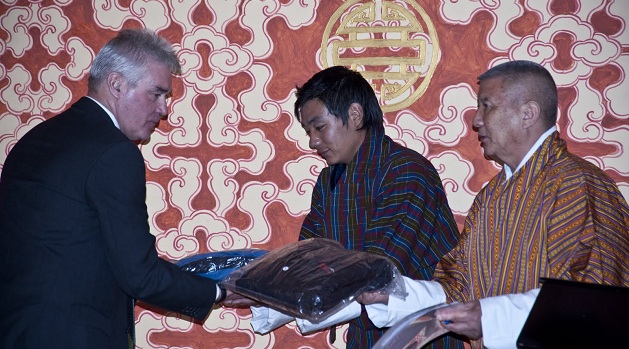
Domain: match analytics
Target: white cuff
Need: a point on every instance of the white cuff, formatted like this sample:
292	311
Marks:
219	293
421	294
503	318
351	311
265	320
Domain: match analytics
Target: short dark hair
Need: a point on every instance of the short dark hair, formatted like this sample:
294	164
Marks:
128	53
337	88
540	84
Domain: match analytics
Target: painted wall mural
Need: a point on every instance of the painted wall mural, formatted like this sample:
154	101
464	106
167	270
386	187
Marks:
230	167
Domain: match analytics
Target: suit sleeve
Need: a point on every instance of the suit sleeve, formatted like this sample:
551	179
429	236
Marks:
116	188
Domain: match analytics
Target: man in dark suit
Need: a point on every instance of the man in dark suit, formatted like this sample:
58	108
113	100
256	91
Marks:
75	246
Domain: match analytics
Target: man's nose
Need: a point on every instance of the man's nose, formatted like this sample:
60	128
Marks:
314	141
162	107
477	120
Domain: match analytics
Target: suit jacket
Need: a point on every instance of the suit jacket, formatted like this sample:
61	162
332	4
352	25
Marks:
75	241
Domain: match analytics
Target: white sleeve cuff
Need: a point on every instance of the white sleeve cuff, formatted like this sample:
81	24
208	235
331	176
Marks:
218	293
503	318
349	312
421	294
265	320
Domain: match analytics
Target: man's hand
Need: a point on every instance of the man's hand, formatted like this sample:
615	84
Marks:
462	318
235	300
372	298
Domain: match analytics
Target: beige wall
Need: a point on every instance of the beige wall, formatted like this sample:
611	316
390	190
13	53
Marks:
230	167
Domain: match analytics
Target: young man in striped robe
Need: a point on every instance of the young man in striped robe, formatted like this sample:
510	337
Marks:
548	213
376	195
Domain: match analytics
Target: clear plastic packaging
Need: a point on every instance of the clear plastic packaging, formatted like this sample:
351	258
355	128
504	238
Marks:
414	331
218	265
313	279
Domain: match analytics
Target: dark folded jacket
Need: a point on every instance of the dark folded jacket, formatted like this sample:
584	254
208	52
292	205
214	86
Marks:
311	279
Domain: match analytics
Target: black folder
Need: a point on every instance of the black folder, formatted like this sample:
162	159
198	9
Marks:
569	314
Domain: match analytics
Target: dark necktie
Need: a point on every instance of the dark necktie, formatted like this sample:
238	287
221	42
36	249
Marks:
337	172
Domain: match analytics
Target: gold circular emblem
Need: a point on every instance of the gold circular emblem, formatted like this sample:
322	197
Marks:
393	44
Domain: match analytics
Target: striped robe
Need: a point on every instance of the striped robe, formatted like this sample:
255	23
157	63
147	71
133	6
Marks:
559	216
389	201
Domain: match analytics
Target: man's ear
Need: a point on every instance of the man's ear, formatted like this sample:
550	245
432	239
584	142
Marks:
355	115
531	114
114	83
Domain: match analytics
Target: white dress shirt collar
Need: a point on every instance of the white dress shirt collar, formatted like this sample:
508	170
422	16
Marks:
113	118
540	140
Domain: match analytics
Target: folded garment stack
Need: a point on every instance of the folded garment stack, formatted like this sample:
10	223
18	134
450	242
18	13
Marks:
312	279
218	265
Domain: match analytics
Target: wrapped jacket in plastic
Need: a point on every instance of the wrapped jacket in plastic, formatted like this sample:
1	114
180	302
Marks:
218	265
314	278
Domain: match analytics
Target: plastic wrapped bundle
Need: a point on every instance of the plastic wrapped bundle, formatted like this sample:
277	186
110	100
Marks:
218	265
312	279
